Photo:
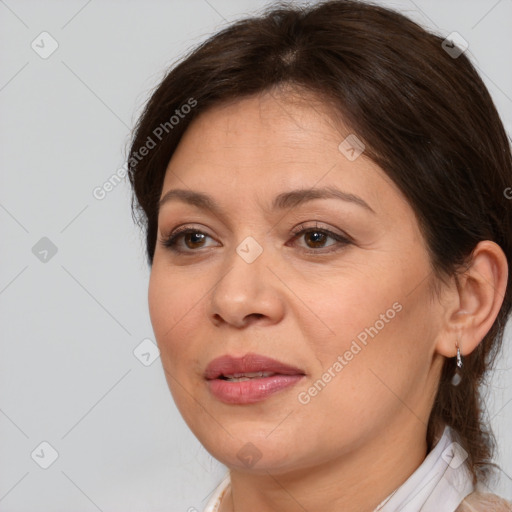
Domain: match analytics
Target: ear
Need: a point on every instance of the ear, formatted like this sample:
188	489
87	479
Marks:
474	300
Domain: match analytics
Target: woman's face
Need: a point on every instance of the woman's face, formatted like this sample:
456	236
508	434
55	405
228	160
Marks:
352	316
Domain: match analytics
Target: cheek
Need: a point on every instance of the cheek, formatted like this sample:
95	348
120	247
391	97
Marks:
160	304
354	307
166	306
173	308
384	360
375	329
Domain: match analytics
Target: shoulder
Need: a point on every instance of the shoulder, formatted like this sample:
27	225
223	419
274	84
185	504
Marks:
484	502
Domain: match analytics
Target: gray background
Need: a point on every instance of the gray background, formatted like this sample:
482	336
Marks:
71	321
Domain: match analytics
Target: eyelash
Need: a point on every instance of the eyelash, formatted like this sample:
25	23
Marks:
170	242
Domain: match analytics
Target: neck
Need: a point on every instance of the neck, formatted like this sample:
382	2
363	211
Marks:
357	481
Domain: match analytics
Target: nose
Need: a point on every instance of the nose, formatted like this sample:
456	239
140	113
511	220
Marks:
247	293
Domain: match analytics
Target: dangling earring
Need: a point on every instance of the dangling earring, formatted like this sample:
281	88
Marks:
458	373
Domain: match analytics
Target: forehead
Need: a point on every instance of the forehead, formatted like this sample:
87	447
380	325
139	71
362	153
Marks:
266	144
283	123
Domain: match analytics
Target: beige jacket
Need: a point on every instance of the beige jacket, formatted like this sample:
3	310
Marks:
484	502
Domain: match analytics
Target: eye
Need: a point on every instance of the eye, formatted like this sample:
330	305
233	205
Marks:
194	239
318	236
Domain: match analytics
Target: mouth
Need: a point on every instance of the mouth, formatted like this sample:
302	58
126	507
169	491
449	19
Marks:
240	377
249	379
248	366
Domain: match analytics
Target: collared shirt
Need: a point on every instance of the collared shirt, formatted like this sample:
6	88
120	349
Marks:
439	484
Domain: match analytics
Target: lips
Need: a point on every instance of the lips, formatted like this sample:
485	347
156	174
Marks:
249	379
248	366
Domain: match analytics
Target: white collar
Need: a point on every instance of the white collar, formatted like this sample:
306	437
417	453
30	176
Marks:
216	498
441	482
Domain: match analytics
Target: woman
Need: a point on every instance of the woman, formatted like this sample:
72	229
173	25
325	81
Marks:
322	190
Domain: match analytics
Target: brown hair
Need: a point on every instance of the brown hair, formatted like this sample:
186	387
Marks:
425	117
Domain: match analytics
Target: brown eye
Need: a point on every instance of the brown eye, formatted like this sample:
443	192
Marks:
188	240
193	239
316	238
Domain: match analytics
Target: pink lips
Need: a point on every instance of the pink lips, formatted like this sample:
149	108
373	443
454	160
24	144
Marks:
255	388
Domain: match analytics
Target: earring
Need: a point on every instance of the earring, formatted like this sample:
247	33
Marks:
458	373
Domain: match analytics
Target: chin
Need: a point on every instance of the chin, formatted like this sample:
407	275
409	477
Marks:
248	450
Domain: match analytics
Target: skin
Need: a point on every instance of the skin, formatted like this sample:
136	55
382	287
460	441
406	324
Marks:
364	433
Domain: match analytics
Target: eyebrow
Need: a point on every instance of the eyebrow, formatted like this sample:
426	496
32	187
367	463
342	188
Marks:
284	200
